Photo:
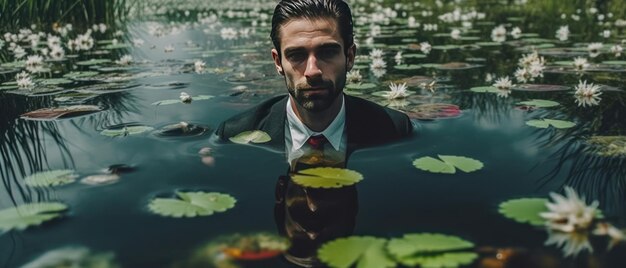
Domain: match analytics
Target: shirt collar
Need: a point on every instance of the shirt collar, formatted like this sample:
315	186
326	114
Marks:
300	133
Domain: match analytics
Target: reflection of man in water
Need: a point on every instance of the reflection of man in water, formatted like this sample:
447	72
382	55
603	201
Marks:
316	124
314	49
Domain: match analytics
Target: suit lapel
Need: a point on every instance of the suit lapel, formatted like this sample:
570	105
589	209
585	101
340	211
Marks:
274	124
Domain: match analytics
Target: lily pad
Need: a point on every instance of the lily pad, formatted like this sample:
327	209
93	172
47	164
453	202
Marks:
254	136
540	103
326	177
615	62
414	56
524	210
93	62
192	204
431	250
361	86
356	251
196	98
430	111
485	89
540	87
608	146
55	81
125	130
23	216
448	165
61	112
77	75
100	179
456	66
51	178
545	123
408	67
182	129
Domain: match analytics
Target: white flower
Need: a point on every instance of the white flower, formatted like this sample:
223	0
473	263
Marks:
198	66
587	94
536	69
522	75
498	34
23	80
84	41
397	91
34	61
581	63
19	52
53	41
503	93
228	33
185	98
354	76
398	58
125	60
378	73
168	48
594	49
138	42
455	34
606	229
606	33
378	64
503	83
563	33
571	243
425	47
376	53
516	33
57	53
616	49
569	213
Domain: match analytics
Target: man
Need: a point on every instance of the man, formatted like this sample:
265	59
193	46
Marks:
313	50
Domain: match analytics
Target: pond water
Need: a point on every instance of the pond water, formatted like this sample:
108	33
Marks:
223	54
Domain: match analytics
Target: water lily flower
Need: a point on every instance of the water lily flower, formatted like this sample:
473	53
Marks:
84	41
185	98
516	33
24	80
580	63
607	229
398	58
376	53
138	42
563	33
378	63
125	60
498	34
425	47
455	34
503	83
606	33
34	62
617	50
378	73
354	76
413	23
397	91
19	52
228	33
57	53
199	66
571	243
594	49
168	48
569	213
522	75
587	94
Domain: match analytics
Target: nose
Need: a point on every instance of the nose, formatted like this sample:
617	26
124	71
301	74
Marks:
312	70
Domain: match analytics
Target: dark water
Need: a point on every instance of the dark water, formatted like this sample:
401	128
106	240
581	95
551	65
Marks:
394	198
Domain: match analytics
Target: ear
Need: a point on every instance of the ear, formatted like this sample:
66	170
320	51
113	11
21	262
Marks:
277	62
350	57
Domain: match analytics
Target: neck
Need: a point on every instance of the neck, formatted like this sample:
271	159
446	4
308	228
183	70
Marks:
317	121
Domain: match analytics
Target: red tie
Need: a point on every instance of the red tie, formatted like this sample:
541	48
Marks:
317	142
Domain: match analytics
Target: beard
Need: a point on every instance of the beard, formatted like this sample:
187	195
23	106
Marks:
316	95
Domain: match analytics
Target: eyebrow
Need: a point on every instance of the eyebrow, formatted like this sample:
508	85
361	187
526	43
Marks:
322	46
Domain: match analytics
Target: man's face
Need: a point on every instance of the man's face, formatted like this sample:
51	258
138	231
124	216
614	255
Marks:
313	61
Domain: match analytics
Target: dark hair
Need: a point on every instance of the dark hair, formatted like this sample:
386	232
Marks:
313	9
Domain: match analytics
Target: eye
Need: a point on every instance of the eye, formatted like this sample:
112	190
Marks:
327	53
296	57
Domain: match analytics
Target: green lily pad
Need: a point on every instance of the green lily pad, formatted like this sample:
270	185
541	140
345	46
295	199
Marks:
445	47
55	81
431	250
615	62
540	103
254	136
414	56
172	101
23	216
545	123
93	62
360	86
51	178
76	75
485	89
60	112
326	177
408	67
126	130
357	251
448	165
8	87
524	210
117	46
192	204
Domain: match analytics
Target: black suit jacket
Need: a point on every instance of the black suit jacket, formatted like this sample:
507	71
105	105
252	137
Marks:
367	124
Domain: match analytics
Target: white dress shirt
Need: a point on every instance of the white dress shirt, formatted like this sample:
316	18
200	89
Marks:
297	134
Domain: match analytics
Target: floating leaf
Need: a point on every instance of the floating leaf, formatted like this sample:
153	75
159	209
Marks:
125	130
51	178
524	210
326	177
408	67
182	129
540	103
26	215
414	56
357	251
254	136
431	250
55	81
485	89
196	98
447	166
545	123
360	86
100	179
614	62
93	62
61	112
430	111
192	204
540	87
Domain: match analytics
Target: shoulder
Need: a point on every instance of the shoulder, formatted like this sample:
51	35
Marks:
254	118
380	124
